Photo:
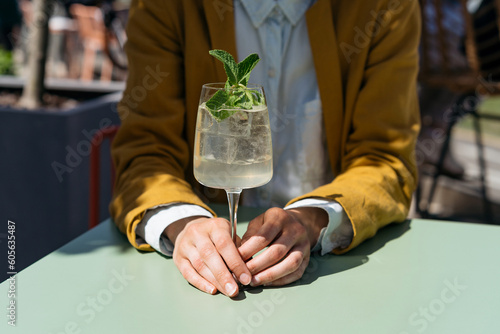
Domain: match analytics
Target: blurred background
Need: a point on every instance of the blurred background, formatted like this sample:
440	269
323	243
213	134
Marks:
62	71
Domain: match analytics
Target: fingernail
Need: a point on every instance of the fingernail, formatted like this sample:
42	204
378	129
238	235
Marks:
211	290
230	289
255	281
245	279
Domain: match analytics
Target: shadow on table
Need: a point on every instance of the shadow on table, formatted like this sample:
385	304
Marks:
332	264
105	234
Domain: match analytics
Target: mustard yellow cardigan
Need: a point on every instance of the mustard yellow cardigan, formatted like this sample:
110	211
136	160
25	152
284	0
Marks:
366	59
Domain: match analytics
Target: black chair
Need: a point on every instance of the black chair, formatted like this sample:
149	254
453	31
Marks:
480	77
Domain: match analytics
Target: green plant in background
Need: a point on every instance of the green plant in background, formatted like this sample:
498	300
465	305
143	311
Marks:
6	62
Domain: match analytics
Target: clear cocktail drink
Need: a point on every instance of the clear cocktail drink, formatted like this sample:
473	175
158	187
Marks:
235	153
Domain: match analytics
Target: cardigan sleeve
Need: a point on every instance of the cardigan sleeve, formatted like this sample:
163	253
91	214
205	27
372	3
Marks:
150	150
378	169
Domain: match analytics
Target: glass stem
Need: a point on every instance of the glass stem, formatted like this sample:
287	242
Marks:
233	196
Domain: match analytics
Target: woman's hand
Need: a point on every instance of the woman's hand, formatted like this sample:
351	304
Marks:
206	256
288	236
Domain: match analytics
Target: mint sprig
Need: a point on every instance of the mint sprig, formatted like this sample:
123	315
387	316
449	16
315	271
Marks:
235	95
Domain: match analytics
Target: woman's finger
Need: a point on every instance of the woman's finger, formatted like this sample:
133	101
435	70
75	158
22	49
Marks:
194	278
292	263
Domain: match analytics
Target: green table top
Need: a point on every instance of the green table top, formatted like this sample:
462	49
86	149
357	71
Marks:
420	276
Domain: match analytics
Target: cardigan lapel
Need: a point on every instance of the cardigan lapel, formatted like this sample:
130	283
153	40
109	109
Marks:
323	40
220	19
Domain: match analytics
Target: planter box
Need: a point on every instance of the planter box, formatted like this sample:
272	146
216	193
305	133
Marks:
44	175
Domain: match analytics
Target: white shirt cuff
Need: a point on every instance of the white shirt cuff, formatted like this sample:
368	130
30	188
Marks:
156	220
338	232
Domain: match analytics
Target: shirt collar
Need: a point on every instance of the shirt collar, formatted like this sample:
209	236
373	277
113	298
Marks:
259	10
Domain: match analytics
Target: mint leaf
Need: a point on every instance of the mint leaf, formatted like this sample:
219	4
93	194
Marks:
217	100
220	100
245	101
224	103
222	114
236	73
230	65
245	67
257	98
232	100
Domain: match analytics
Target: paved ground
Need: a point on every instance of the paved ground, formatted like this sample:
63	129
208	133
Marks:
460	200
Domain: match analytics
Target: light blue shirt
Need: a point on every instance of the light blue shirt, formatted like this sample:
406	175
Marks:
277	31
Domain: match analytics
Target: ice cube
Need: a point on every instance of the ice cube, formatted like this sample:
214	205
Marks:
207	121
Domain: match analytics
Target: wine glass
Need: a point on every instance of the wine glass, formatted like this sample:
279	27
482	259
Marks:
234	151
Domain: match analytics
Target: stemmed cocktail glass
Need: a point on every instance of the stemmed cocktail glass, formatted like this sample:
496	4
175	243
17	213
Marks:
233	148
